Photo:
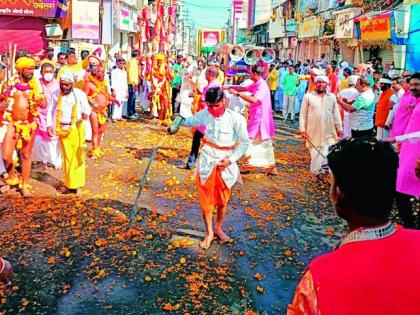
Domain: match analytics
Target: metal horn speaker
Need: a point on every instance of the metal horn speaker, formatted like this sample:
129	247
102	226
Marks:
252	56
236	53
268	55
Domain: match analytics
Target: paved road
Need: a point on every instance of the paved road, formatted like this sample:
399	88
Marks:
76	256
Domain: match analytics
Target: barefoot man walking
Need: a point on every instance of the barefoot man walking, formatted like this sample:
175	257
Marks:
226	141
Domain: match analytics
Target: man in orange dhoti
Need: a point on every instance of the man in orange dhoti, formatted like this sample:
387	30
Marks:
20	101
226	141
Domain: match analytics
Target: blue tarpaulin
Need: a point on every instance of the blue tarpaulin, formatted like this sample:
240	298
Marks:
413	47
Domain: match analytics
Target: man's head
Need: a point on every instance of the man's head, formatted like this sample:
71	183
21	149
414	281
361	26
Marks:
272	66
25	67
37	60
321	83
362	84
211	73
47	71
120	63
347	72
364	179
179	59
385	83
134	53
98	72
66	82
62	58
329	68
415	84
322	56
215	99
84	54
405	84
201	63
396	84
71	58
291	69
256	73
353	80
50	53
285	64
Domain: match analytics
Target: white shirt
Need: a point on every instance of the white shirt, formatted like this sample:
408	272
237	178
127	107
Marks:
119	84
67	105
350	93
224	131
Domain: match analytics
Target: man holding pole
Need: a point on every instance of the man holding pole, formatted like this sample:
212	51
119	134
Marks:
320	124
226	141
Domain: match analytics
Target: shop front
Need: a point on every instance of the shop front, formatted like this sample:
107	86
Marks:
308	36
22	23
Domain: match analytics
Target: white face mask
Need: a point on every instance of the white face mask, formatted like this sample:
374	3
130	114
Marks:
48	77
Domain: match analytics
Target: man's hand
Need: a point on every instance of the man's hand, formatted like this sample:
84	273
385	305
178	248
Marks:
339	133
417	169
389	140
7	272
304	135
223	163
233	91
117	102
84	116
41	103
50	131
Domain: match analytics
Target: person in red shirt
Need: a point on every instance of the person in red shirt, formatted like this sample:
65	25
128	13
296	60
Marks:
333	78
383	107
375	269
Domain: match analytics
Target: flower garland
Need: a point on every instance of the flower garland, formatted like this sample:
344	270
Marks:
100	85
13	85
65	133
23	130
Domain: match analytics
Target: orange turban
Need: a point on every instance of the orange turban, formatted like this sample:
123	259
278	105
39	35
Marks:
24	62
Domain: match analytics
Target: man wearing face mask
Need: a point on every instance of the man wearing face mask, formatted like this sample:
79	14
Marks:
69	106
46	148
19	103
226	141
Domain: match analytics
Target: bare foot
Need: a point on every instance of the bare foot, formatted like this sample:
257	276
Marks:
26	193
205	244
221	235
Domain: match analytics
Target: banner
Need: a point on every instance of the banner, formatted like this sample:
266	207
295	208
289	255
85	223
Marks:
41	8
376	27
344	24
235	68
309	27
211	38
85	20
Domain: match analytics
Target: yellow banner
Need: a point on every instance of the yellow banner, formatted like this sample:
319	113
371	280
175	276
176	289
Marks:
378	27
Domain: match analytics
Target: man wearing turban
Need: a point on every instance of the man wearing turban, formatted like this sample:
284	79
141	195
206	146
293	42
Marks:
20	99
160	78
320	124
69	106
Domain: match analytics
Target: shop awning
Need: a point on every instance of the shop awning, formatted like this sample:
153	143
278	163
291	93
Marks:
27	33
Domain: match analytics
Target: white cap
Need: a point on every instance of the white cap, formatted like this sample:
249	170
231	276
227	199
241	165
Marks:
353	79
322	78
67	76
317	71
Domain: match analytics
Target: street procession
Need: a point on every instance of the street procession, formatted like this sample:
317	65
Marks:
225	157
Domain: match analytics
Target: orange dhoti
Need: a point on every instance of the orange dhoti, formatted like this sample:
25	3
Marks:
213	193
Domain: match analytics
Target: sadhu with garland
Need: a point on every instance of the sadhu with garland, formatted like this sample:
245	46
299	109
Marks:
97	91
160	95
20	99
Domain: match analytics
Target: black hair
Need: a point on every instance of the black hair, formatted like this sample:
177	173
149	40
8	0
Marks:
258	69
46	65
398	79
415	76
365	170
214	95
84	54
61	54
135	53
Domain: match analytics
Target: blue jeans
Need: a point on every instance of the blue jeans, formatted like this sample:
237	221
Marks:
131	103
279	100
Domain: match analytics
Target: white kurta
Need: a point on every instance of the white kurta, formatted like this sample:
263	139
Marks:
350	94
319	118
119	85
227	130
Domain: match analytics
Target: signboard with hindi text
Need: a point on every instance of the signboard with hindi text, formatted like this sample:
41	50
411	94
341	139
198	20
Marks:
375	27
309	27
41	8
85	20
344	24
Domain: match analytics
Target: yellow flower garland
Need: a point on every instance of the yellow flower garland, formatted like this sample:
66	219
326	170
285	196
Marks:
59	115
23	130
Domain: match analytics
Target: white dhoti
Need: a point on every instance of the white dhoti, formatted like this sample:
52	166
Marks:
47	150
118	111
260	154
319	164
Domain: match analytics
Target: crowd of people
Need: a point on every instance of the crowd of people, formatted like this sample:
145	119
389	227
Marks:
50	106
